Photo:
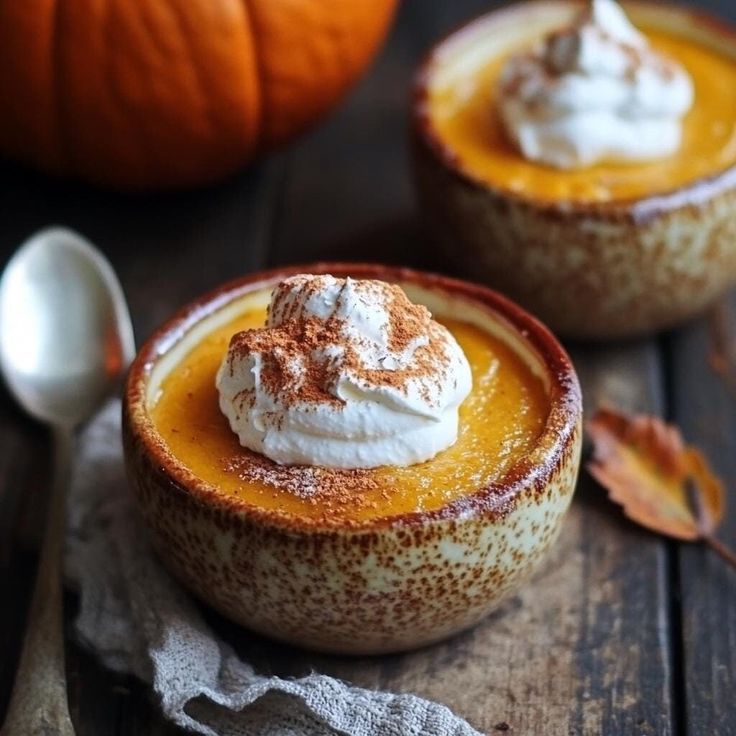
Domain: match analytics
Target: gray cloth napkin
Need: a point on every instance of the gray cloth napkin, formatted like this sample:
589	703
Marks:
138	620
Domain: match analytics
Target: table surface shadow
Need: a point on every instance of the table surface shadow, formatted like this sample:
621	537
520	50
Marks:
620	632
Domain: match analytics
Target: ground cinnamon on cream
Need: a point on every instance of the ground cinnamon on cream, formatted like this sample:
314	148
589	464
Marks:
347	374
293	368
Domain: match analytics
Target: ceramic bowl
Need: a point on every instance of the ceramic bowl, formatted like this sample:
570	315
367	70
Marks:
590	270
389	584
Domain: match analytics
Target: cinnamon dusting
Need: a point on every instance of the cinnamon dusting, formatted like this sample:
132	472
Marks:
303	357
329	487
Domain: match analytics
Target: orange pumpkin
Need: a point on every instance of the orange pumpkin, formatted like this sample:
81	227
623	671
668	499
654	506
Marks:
152	94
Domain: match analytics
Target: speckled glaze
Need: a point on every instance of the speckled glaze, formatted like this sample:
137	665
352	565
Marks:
617	269
388	584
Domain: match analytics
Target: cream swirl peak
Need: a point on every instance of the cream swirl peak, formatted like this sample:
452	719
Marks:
345	374
594	92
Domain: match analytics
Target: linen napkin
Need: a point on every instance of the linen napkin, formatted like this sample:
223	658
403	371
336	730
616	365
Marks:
139	621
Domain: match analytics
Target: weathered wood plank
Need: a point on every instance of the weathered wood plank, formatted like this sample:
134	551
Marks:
705	409
623	645
22	476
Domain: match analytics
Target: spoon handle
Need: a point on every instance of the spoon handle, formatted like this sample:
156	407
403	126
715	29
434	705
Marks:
38	705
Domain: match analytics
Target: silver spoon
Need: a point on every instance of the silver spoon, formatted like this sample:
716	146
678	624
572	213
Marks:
65	341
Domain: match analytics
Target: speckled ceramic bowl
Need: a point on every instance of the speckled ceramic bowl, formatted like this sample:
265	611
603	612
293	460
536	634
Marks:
385	585
617	269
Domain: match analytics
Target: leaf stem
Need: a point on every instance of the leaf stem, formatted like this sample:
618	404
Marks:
724	552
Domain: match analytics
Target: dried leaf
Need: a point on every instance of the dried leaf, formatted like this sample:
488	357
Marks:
646	468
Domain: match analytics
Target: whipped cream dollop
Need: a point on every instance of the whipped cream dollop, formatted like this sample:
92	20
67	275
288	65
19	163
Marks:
592	92
346	374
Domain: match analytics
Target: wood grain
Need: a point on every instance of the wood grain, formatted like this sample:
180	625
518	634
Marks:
23	474
705	409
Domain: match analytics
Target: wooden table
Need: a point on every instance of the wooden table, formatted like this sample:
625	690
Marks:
620	633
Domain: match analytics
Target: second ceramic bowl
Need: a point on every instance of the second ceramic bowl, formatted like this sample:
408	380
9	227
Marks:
613	269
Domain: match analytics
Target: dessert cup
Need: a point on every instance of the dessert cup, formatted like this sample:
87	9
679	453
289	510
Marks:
593	270
389	583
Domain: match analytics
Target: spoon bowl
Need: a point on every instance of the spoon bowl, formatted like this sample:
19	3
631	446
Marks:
65	332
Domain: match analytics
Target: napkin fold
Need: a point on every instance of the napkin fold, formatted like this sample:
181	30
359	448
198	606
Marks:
138	620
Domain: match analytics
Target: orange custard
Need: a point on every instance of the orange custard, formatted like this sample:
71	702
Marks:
500	422
464	118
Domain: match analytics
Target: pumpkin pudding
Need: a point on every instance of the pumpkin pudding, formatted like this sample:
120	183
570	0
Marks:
582	159
500	418
393	554
629	87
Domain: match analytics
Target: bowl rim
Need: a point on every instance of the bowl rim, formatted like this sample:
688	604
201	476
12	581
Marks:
642	208
534	470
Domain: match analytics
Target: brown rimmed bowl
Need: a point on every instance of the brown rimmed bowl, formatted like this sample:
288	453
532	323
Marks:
589	270
383	585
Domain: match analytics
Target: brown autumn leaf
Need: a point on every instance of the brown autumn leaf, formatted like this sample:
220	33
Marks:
661	483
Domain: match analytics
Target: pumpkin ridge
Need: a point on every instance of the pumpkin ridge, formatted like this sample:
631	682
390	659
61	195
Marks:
63	141
197	74
250	16
152	155
147	153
